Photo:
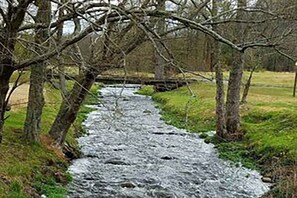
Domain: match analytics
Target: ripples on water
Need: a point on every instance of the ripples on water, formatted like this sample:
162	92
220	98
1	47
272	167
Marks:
130	152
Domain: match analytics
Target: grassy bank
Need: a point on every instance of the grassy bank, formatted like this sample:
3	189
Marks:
269	120
30	169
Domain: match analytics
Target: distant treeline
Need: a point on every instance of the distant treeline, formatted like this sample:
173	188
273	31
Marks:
192	52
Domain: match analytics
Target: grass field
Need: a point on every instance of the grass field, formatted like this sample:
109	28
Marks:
269	120
260	78
27	169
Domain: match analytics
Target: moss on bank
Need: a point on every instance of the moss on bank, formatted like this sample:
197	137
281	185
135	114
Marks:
269	120
28	170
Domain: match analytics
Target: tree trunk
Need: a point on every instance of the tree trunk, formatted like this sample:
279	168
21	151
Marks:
5	74
208	52
233	97
220	93
234	131
62	79
61	66
36	99
80	58
295	84
247	86
35	103
8	34
160	65
70	106
160	62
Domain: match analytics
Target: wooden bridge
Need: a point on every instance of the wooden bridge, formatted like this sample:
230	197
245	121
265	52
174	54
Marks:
160	85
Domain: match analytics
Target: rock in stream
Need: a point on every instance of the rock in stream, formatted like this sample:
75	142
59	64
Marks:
130	152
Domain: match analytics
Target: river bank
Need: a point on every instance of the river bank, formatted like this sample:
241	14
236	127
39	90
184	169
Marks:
30	170
268	119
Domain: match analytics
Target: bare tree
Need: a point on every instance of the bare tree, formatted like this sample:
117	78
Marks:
61	67
160	63
36	99
220	93
247	85
235	77
10	23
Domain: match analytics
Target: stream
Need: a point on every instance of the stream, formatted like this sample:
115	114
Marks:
129	152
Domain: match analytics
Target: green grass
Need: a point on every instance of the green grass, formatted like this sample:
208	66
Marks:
28	167
181	109
269	121
260	78
272	133
146	90
49	187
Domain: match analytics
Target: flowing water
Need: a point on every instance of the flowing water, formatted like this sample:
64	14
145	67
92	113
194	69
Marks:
130	152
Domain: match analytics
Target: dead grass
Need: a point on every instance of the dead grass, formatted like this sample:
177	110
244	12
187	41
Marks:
287	187
48	142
